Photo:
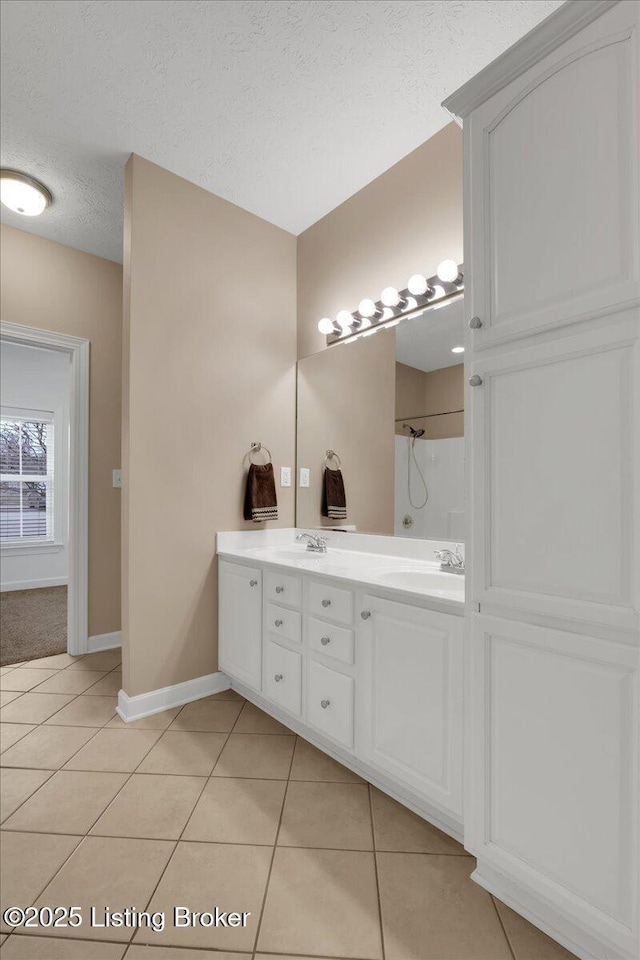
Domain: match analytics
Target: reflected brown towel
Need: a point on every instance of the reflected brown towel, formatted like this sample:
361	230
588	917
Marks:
260	502
334	501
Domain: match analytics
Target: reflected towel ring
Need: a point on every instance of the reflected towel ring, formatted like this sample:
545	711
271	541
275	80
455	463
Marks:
332	455
256	448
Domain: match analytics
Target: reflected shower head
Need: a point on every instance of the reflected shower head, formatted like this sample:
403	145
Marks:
414	433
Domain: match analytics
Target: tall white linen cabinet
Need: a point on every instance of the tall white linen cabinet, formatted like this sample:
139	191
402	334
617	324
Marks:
553	460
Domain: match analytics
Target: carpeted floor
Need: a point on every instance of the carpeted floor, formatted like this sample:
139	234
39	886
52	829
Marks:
33	624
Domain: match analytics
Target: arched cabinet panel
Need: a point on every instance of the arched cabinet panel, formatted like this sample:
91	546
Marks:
554	188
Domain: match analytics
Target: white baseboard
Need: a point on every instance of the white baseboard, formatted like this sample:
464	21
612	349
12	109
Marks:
33	584
145	704
576	939
104	641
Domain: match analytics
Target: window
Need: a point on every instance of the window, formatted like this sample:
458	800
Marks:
26	476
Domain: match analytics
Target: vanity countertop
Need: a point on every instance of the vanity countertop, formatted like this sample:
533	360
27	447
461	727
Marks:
390	564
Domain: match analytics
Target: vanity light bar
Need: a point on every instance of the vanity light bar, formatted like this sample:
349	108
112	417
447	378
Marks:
396	305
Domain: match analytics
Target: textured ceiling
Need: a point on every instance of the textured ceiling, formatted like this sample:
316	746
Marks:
285	107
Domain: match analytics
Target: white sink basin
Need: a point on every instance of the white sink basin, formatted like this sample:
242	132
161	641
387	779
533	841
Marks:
415	577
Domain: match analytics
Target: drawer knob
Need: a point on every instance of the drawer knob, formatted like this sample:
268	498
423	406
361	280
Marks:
279	589
324	704
475	323
326	603
253	583
278	677
365	614
475	380
325	640
278	623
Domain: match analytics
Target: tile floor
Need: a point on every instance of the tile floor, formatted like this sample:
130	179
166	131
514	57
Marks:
218	804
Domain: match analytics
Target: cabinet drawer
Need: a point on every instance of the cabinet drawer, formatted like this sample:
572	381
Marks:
282	681
331	640
330	702
285	623
283	589
331	602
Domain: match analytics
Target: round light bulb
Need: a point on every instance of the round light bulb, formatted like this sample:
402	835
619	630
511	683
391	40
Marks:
364	323
325	326
448	271
439	291
387	313
411	303
457	349
390	297
367	308
417	285
23	194
345	319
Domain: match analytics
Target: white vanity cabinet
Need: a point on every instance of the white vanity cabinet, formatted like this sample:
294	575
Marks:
375	682
552	298
240	623
411	704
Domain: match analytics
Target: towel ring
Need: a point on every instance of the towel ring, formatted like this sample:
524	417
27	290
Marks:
256	448
332	455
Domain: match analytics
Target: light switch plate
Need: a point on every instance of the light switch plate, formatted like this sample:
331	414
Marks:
117	478
285	476
305	475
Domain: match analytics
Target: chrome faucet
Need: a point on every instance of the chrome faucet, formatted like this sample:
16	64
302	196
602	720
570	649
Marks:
315	543
450	561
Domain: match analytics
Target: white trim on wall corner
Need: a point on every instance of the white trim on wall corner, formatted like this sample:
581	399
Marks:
145	704
32	584
104	641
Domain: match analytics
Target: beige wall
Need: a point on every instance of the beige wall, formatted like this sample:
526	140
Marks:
210	351
54	287
421	395
346	404
405	222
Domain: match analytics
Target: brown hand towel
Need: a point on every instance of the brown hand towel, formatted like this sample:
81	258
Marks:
260	502
334	501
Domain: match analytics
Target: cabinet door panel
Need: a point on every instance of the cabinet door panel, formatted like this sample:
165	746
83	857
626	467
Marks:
240	634
283	677
330	702
553	799
553	436
554	186
411	710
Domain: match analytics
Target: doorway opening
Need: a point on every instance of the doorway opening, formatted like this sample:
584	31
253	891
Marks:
43	493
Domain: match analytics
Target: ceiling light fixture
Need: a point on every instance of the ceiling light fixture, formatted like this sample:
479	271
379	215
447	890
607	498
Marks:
23	194
421	293
457	349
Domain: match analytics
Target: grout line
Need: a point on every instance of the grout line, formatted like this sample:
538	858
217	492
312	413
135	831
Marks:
275	847
502	926
86	833
51	773
311	956
172	854
375	870
32	725
223	843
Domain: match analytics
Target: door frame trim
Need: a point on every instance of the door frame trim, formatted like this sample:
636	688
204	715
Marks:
78	587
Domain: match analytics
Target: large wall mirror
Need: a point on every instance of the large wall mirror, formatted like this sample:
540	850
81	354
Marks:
390	405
